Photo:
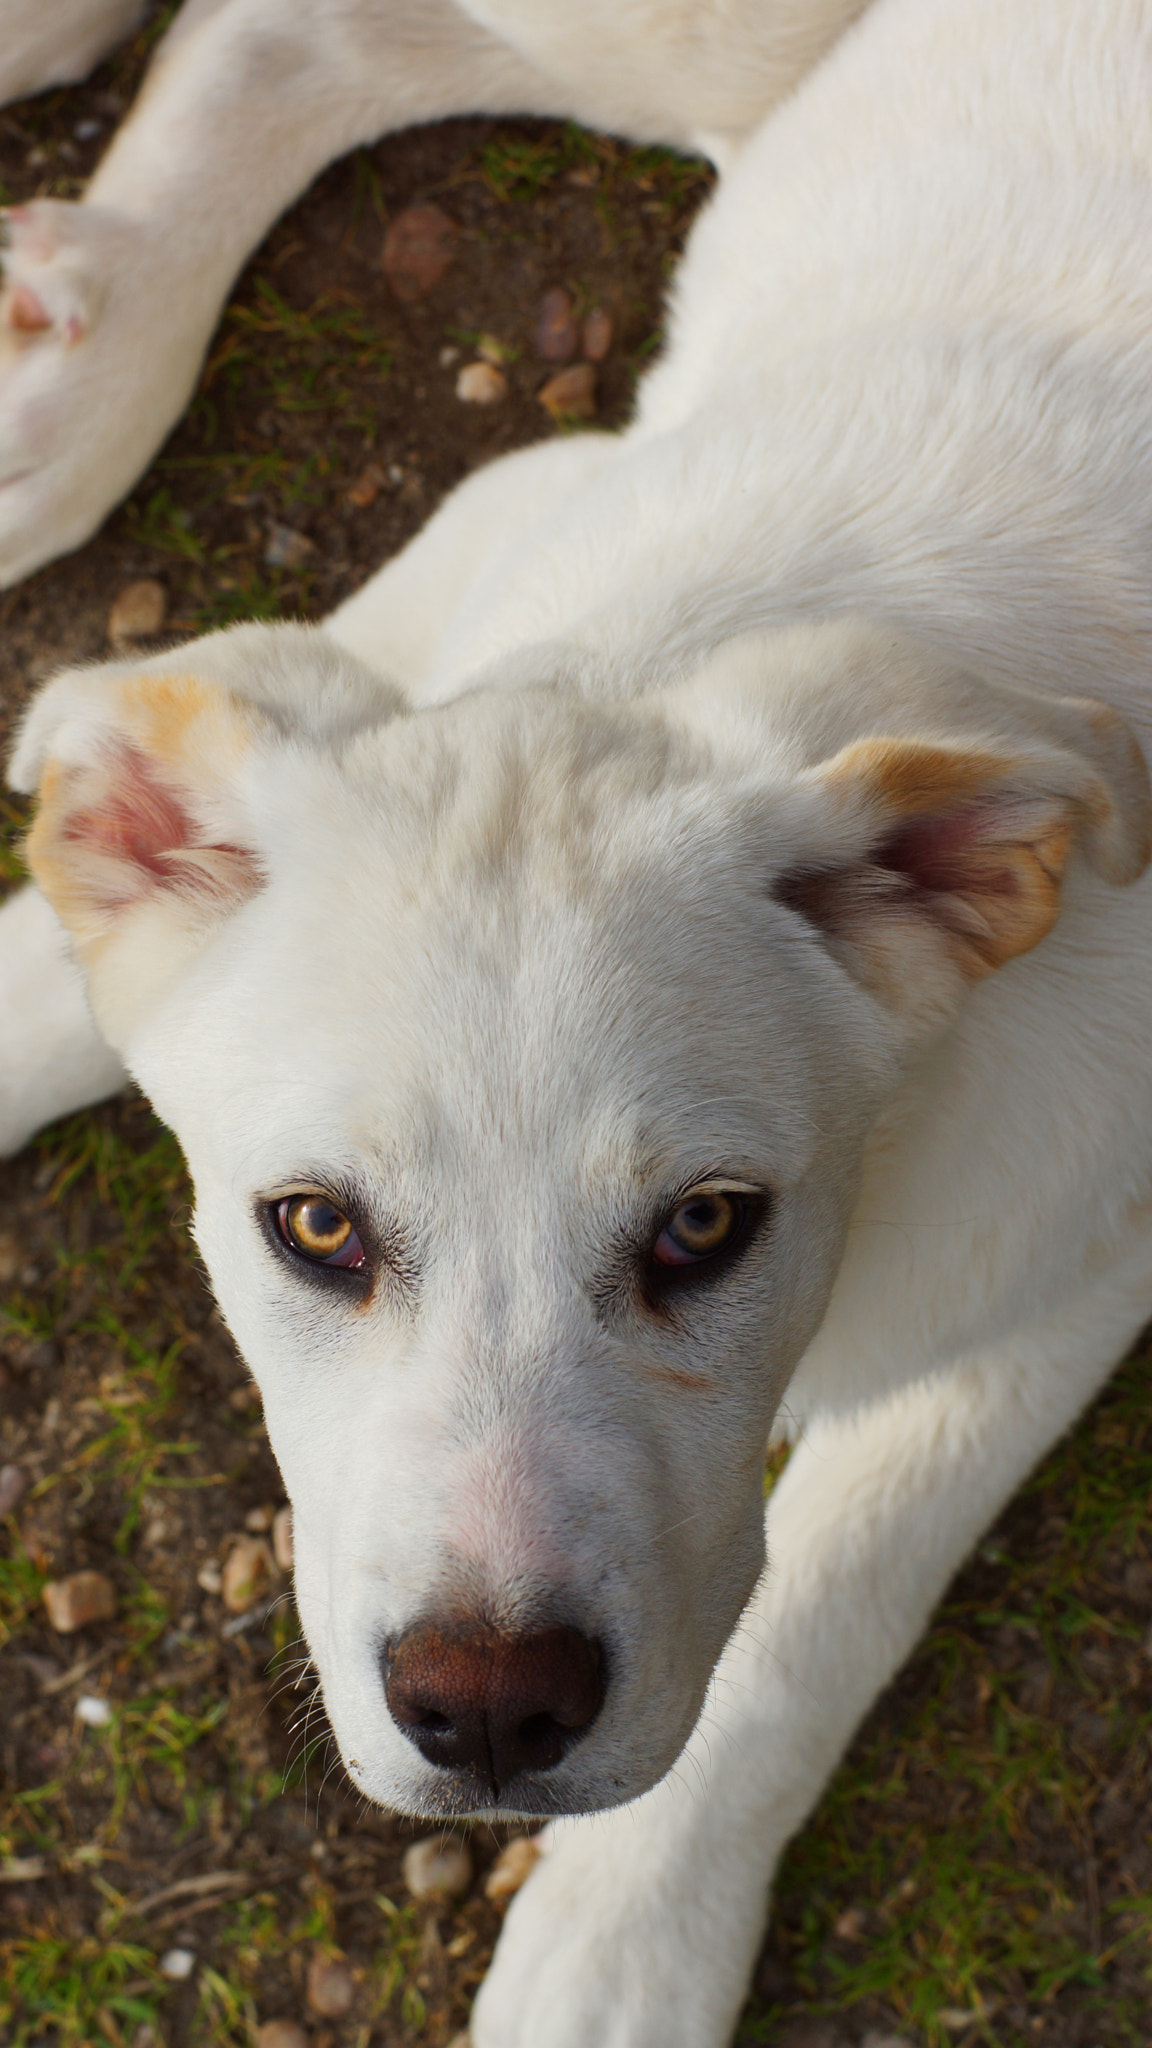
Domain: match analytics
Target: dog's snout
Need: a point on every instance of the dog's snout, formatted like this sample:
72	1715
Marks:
492	1703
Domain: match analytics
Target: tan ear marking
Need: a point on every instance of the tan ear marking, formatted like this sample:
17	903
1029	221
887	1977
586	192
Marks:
966	844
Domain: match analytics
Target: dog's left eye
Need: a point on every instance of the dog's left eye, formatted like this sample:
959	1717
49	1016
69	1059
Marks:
312	1228
707	1222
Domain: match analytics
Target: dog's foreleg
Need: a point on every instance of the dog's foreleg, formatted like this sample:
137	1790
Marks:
109	304
639	1928
52	1058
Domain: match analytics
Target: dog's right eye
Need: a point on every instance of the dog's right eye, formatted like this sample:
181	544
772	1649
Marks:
315	1230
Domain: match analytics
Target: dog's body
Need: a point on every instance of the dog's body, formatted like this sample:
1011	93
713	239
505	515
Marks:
753	740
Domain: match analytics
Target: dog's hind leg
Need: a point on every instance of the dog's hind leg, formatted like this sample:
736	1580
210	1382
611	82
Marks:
109	304
640	1927
43	46
52	1058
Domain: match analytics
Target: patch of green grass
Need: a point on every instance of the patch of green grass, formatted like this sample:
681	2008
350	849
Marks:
396	1962
294	361
927	1843
94	1994
15	818
21	1582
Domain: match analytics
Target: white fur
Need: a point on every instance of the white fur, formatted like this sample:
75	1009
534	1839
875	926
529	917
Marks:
510	965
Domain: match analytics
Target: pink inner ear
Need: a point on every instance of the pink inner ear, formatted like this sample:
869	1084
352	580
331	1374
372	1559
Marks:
936	854
141	826
140	822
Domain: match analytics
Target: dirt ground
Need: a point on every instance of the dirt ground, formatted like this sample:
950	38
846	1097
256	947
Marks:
980	1871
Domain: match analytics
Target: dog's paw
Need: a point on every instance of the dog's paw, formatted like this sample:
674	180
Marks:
618	1940
98	351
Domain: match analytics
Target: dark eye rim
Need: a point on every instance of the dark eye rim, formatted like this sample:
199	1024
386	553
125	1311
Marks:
661	1281
320	1271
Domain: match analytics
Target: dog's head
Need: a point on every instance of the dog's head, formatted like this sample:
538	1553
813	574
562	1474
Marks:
524	1052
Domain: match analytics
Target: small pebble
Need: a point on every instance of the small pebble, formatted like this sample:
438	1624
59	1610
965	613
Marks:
596	338
571	393
850	1925
514	1863
331	1986
259	1520
248	1569
438	1868
281	2034
87	131
283	1549
93	1711
210	1578
556	335
177	1964
417	250
287	549
875	2038
13	1483
75	1601
138	612
367	487
481	384
448	356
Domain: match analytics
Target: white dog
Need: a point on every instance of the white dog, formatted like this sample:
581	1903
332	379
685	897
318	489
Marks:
662	943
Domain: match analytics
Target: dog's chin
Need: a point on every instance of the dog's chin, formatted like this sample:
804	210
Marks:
427	1792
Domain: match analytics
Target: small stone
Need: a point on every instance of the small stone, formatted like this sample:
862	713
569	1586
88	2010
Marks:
13	1485
281	2034
448	355
210	1578
259	1520
177	1964
514	1863
286	548
481	384
596	335
283	1548
850	1925
877	2038
248	1569
138	613
556	335
331	1987
367	487
570	394
440	1867
75	1601
93	1711
417	251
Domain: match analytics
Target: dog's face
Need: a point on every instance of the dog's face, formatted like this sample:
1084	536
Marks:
524	1055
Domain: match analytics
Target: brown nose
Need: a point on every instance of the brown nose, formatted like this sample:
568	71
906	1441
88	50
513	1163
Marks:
493	1704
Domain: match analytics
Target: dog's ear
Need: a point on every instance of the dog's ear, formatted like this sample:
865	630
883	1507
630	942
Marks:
144	839
935	864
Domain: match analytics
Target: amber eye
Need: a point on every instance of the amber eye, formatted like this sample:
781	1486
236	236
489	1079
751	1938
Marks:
706	1222
311	1227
